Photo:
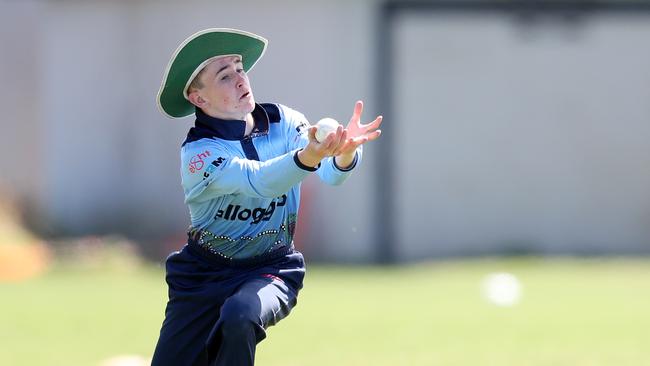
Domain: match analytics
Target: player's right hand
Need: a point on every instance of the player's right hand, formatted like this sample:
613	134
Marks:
316	151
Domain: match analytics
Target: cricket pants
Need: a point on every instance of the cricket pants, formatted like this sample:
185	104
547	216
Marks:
218	310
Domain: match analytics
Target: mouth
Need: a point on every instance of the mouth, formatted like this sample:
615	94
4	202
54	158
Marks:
245	95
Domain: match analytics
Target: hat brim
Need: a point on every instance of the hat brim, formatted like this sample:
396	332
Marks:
192	54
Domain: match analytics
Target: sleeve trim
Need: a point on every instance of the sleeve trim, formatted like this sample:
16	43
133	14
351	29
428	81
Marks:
354	163
303	166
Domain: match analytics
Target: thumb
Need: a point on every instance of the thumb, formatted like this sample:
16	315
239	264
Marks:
311	133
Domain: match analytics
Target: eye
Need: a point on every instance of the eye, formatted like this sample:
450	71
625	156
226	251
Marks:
225	77
240	70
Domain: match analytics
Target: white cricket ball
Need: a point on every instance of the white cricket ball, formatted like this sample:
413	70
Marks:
501	289
324	127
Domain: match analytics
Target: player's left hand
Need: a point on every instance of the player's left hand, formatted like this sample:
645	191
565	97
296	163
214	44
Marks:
357	134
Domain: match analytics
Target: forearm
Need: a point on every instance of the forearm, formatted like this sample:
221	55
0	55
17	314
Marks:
235	175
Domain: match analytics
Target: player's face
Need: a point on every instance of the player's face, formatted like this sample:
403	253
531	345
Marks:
226	91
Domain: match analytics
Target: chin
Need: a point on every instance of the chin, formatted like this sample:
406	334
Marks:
250	106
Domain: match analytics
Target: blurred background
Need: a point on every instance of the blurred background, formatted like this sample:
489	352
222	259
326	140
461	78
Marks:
512	129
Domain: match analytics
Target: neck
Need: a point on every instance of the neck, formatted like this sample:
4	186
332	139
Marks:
250	124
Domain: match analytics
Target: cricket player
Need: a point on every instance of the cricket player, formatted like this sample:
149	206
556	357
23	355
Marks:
241	168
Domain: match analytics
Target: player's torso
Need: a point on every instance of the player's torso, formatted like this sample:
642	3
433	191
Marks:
238	224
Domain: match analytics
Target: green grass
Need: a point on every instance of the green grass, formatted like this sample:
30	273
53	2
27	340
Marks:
573	312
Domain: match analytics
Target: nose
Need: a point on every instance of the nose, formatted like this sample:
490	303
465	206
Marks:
241	81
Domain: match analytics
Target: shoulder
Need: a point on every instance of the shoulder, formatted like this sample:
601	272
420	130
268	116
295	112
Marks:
196	155
278	112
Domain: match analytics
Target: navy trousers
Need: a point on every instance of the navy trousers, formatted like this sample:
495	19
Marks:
217	313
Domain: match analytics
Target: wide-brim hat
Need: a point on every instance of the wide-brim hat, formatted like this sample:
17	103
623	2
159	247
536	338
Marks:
194	54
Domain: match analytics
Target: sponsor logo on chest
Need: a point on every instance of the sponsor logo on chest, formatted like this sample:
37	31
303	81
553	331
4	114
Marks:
235	212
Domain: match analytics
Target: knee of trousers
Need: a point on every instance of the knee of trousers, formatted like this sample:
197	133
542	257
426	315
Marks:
241	319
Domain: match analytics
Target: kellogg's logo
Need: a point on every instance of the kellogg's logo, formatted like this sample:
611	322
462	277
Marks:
196	162
256	215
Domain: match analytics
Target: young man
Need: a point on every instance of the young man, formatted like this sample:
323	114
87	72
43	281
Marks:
241	168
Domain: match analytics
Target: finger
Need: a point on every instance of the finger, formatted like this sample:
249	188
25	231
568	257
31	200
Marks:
373	135
331	143
342	143
365	138
341	134
311	133
329	140
374	124
337	139
356	115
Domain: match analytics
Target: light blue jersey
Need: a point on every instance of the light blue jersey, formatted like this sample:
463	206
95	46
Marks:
243	192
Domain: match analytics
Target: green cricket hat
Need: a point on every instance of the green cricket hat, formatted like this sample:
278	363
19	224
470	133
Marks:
194	54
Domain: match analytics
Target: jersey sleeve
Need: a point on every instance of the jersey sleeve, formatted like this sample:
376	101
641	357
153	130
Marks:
297	138
209	170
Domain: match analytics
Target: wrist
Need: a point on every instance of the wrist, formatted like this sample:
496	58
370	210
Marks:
309	158
345	161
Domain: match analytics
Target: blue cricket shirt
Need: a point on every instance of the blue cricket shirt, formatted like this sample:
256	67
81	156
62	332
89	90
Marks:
243	192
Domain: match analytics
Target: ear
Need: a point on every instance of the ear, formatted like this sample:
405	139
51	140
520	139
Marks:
196	99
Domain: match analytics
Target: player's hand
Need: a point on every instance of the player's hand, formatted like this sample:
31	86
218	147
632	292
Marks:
316	151
357	134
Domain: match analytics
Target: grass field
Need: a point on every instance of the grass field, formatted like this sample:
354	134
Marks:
573	312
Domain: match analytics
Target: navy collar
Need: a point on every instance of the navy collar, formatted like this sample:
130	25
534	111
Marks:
210	127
